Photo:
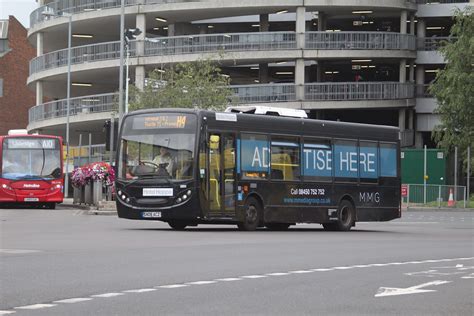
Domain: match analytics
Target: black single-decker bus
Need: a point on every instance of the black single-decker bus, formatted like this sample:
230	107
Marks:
188	167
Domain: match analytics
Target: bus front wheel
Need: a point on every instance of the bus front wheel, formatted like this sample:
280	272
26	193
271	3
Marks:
177	225
252	215
345	218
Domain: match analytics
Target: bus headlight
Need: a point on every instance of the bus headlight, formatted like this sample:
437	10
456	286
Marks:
185	197
7	187
119	193
56	187
178	200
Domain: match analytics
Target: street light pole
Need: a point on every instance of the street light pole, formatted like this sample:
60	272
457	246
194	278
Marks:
122	35
69	44
68	93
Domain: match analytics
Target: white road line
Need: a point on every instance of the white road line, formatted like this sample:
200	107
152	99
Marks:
228	279
18	251
277	274
74	300
342	268
172	286
139	291
107	295
180	285
35	306
201	282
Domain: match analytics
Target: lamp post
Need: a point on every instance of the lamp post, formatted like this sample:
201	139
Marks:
68	97
129	35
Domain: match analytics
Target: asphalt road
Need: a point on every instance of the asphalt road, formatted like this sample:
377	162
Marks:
62	262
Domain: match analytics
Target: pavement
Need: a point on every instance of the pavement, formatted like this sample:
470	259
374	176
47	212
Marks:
104	208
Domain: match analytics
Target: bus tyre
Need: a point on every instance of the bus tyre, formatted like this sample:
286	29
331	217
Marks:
277	226
51	206
345	217
252	215
177	225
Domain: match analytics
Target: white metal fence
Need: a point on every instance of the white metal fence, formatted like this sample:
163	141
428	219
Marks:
435	196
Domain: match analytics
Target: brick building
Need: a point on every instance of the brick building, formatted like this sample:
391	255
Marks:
15	54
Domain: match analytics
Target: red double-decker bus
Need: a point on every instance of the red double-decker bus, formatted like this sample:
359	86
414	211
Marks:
31	170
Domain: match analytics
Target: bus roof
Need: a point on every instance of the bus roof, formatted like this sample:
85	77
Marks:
286	125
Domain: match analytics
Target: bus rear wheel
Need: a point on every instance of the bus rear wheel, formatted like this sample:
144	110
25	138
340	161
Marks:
345	218
177	225
252	215
277	226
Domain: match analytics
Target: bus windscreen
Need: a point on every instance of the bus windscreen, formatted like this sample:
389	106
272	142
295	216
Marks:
31	158
158	144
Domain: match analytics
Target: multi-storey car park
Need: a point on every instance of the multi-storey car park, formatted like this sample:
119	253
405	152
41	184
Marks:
367	61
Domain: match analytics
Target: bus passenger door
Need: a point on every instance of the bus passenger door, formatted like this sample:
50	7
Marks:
221	186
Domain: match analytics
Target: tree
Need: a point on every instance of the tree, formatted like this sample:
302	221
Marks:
454	86
197	84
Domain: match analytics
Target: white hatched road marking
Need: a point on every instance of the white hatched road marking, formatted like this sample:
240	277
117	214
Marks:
107	295
382	291
74	300
36	306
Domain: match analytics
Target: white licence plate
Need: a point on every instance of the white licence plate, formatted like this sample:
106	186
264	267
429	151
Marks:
151	214
158	192
31	200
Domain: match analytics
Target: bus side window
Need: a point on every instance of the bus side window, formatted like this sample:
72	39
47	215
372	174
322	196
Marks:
285	161
317	159
388	160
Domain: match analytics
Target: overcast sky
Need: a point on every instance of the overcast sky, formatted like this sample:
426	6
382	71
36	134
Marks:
21	9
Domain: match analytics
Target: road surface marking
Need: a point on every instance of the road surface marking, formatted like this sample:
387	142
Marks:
35	306
172	286
393	291
107	295
74	300
277	274
139	291
18	251
383	291
201	282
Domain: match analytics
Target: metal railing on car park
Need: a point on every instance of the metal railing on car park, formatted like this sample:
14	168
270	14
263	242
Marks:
79	55
340	91
244	94
221	43
207	43
360	40
87	104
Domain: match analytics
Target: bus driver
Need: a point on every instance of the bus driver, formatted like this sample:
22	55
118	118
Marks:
165	160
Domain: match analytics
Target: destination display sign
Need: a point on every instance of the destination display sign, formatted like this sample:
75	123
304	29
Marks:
31	143
159	121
